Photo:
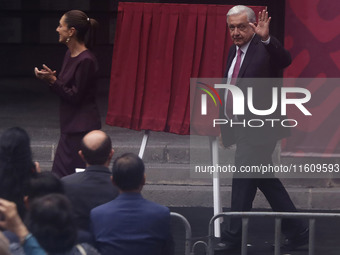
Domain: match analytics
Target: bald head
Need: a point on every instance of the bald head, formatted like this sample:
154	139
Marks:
96	148
94	139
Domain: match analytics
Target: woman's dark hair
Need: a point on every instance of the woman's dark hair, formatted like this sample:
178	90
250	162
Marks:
51	221
16	166
85	26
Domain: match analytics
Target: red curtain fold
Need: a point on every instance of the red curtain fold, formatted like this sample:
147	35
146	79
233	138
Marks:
157	49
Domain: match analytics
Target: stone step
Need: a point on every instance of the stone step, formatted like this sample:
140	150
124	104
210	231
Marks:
202	196
167	157
180	174
172	185
169	181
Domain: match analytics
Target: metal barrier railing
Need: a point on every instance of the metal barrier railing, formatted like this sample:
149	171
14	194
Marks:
278	217
188	233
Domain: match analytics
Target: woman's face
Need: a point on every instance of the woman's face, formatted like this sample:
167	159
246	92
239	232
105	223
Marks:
63	30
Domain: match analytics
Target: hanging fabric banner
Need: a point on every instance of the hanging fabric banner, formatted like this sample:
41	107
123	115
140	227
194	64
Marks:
312	35
157	49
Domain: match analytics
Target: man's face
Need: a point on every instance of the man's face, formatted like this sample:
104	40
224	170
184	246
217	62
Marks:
240	30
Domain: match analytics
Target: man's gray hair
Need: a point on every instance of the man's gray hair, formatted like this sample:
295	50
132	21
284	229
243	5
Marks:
239	9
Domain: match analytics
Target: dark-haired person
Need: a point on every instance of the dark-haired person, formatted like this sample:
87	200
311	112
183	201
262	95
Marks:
41	184
76	87
92	187
130	224
50	222
16	166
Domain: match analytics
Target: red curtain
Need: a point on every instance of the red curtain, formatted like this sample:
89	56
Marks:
313	39
157	49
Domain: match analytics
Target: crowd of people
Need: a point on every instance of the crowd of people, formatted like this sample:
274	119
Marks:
100	211
97	211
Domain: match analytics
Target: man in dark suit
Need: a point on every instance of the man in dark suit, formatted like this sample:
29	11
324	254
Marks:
255	54
130	224
92	187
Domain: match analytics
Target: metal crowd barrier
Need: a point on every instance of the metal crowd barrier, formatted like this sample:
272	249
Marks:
188	233
189	247
278	217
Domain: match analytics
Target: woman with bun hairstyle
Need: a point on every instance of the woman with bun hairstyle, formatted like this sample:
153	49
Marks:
76	87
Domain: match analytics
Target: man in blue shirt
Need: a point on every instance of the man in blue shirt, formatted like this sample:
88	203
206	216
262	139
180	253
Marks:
130	224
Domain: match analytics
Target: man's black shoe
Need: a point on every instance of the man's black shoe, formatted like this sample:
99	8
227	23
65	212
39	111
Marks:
227	246
301	239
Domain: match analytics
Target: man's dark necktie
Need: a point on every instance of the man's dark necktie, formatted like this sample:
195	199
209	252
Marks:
229	104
